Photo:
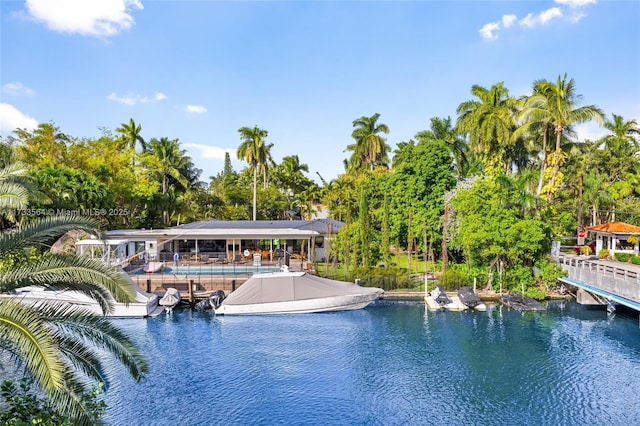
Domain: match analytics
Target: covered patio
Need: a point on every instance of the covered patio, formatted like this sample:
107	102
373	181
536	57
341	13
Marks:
617	237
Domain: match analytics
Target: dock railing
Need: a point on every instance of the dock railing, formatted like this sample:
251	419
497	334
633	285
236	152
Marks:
615	277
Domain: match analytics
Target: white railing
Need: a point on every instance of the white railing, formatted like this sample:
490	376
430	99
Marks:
607	276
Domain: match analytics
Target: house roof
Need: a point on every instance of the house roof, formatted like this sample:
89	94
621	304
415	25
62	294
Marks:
238	229
615	228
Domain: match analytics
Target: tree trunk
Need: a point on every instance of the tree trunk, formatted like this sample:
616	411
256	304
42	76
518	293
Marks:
543	164
556	164
255	192
580	178
445	226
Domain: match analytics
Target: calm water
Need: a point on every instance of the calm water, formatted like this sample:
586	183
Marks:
394	363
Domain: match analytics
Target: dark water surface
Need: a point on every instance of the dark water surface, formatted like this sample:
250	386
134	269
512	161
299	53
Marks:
394	363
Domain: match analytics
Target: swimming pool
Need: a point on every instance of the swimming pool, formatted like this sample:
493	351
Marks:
216	270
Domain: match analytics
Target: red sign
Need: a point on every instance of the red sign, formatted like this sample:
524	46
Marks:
581	233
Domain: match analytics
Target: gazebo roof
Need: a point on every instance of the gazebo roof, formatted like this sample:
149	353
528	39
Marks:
615	228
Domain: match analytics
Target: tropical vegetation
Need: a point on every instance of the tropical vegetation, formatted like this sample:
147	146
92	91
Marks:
62	349
487	187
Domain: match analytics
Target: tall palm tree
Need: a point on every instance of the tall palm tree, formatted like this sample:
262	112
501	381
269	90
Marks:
442	129
622	146
131	134
165	158
61	346
253	151
266	161
370	148
556	104
490	121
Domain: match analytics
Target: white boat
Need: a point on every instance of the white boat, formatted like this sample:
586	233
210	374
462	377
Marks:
438	299
295	293
170	299
146	304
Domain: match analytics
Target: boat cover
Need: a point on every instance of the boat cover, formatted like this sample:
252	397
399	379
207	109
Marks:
290	286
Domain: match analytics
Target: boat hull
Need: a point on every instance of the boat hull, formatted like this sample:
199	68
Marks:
146	305
326	304
454	305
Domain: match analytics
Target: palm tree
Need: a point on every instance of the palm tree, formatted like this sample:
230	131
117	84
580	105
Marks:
289	174
253	150
370	149
556	104
61	346
171	163
490	122
442	129
622	147
266	161
15	189
130	134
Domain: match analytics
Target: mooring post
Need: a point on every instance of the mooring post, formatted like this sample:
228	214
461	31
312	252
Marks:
148	285
233	285
191	291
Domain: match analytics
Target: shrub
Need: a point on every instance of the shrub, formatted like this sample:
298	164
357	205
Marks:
535	293
635	260
585	250
622	257
25	406
514	277
385	278
604	253
454	279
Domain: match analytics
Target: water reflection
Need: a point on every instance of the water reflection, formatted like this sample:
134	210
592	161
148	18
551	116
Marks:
392	363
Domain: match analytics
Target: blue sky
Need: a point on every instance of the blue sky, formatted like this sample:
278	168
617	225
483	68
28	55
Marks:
199	70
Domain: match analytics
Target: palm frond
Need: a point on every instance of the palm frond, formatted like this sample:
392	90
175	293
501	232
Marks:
31	340
88	276
44	231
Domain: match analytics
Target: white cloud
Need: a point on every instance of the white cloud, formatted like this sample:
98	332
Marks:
195	109
542	18
591	131
133	99
576	3
97	18
15	88
207	151
532	20
509	20
11	119
550	14
576	16
488	31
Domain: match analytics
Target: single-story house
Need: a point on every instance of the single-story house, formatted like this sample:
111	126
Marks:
614	236
230	240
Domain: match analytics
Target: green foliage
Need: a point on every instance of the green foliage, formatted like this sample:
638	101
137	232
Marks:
548	274
454	279
635	260
604	253
517	275
64	347
488	227
386	278
623	257
22	406
417	184
535	293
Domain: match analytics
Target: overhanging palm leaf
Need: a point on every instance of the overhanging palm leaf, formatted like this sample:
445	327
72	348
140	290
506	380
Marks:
52	341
